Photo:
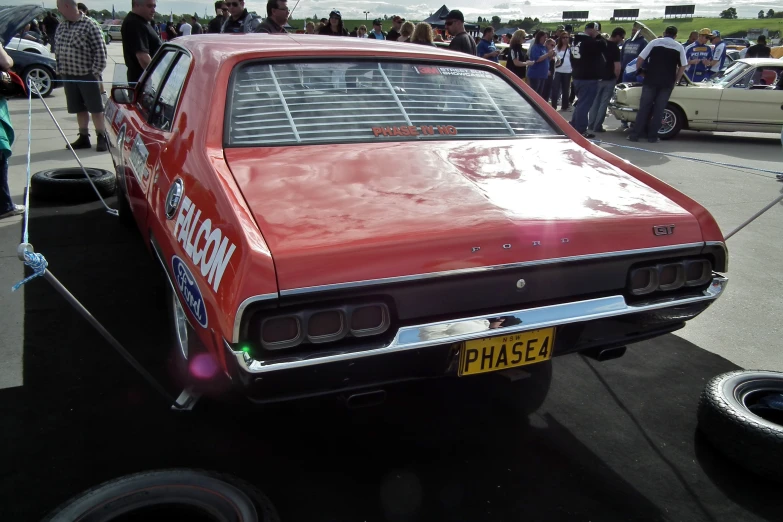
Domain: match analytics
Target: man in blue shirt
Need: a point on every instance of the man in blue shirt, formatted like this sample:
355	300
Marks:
699	56
633	46
486	46
377	31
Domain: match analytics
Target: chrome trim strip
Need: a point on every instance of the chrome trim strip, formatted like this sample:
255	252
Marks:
241	310
447	332
463	271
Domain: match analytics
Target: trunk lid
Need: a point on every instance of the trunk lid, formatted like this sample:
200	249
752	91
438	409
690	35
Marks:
344	213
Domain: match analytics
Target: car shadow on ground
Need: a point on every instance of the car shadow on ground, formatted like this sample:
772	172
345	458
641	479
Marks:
613	441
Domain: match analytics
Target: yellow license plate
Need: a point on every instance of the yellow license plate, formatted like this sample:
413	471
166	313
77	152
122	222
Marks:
506	351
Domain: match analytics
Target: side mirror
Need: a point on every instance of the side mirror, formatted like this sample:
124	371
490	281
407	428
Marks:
751	83
123	95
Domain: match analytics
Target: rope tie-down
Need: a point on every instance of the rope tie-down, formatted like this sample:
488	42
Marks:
39	265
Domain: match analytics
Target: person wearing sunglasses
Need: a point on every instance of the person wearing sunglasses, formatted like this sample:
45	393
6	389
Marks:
276	17
221	13
239	20
461	40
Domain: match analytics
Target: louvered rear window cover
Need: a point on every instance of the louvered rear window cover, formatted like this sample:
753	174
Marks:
327	102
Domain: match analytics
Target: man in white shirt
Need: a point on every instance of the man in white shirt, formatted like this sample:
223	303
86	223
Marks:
186	29
718	54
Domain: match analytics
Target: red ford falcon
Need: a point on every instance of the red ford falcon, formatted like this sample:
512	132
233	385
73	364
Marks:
337	215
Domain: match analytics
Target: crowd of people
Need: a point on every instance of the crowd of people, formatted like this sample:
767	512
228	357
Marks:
577	71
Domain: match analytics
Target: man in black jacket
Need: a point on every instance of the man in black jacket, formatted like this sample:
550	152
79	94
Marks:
461	41
587	61
221	12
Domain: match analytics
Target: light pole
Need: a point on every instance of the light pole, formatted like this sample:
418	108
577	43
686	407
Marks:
366	14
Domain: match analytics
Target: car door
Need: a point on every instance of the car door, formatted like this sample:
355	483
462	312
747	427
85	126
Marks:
139	143
753	103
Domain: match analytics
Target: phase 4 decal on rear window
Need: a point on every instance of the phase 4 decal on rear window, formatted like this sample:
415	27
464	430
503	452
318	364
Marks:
451	71
413	131
206	245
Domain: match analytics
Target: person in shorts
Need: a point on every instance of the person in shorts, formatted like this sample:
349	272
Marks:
81	59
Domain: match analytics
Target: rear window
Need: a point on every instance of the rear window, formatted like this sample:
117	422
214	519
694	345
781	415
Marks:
324	102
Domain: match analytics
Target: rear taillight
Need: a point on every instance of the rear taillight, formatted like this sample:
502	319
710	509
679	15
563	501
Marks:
666	277
281	332
324	325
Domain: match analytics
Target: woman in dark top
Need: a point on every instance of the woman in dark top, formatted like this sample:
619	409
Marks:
334	27
517	56
422	34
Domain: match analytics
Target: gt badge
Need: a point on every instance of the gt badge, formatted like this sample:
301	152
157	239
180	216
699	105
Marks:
663	230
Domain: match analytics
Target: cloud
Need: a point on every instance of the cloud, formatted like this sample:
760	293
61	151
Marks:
502	6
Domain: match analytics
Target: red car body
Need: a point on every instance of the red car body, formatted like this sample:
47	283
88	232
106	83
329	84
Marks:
408	223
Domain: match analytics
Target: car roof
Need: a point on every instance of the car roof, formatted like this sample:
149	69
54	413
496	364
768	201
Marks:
762	61
236	45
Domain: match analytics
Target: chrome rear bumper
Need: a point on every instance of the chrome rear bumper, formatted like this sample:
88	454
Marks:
449	332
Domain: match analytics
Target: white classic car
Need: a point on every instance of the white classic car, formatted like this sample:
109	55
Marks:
748	97
22	44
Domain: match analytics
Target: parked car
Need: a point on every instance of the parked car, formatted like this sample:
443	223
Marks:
748	96
112	32
21	44
737	44
40	69
499	238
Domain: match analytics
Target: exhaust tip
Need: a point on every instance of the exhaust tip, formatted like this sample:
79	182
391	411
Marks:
605	354
365	399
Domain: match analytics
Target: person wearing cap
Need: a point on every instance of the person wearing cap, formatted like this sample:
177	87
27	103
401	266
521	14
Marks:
394	33
461	41
587	62
760	50
665	62
486	46
276	17
718	63
699	56
377	30
335	25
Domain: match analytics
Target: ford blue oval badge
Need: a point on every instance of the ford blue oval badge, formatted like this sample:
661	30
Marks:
189	290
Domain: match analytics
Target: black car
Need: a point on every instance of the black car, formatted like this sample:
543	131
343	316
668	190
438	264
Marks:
29	66
36	68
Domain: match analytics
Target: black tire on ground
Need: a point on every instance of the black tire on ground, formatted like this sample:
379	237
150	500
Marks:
172	494
741	415
123	207
677	118
42	75
70	184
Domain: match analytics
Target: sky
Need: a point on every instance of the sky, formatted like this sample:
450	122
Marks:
416	9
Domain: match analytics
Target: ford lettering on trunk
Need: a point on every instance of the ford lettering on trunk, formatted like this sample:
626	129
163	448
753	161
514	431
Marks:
189	290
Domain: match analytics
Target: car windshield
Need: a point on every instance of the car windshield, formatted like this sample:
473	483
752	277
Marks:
736	70
327	102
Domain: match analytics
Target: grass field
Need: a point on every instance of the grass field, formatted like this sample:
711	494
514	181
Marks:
726	27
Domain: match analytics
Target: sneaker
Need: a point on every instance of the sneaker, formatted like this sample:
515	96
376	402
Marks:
567	108
83	142
654	140
588	134
103	144
631	138
17	210
600	129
